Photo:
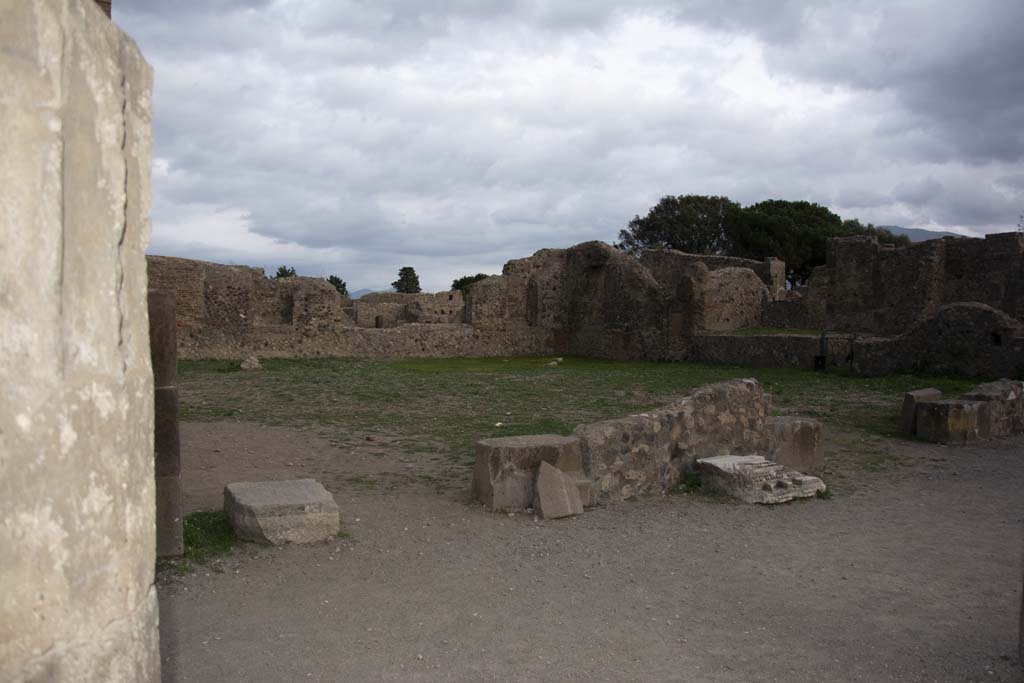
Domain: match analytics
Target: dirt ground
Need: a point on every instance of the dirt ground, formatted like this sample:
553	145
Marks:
911	571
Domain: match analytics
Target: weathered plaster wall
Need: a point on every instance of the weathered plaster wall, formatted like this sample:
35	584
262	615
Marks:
76	413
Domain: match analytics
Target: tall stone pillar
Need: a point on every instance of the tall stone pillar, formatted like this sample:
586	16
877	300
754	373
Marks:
163	345
77	541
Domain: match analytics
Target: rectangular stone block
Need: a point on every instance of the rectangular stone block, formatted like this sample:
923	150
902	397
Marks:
797	442
954	422
1004	401
505	472
279	512
556	495
169	517
908	419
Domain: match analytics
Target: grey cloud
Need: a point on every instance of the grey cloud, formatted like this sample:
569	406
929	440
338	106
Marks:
356	137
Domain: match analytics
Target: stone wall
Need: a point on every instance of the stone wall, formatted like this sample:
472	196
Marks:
595	300
882	289
647	453
76	413
390	309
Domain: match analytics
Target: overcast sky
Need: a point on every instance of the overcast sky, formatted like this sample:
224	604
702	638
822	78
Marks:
353	138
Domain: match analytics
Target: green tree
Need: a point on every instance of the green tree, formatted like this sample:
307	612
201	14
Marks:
408	282
339	284
693	223
463	283
796	232
285	271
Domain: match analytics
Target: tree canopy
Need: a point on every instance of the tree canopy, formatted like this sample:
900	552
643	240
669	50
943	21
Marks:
284	271
691	223
463	283
339	284
408	281
795	231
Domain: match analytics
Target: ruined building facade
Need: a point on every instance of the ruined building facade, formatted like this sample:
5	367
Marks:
955	304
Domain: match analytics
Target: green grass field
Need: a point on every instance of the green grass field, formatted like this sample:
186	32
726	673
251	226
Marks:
456	402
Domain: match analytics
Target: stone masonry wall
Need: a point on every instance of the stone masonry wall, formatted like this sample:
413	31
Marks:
647	453
76	413
885	290
594	300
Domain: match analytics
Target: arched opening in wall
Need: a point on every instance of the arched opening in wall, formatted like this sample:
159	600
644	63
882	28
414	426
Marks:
996	339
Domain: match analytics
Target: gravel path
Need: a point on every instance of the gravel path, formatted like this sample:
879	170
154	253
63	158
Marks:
910	572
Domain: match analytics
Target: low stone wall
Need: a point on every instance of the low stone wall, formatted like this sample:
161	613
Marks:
647	453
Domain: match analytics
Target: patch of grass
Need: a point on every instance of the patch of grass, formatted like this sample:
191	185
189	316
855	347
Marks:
441	407
207	535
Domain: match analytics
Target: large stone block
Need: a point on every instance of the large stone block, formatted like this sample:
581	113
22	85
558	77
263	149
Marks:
954	422
1004	402
754	479
505	472
908	417
797	442
77	531
556	494
279	512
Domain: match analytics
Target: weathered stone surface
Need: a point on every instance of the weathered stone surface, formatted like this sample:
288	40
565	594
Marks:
584	486
1004	402
754	479
279	512
555	494
170	517
506	468
952	421
647	453
908	418
77	601
251	363
797	442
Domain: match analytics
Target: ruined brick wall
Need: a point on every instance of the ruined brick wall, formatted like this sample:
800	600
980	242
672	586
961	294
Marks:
595	300
771	271
230	309
390	309
883	289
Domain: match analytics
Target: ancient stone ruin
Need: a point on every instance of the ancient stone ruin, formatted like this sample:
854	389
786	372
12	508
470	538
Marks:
990	410
614	460
949	305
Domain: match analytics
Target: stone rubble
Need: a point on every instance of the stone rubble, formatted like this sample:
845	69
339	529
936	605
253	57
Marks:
755	479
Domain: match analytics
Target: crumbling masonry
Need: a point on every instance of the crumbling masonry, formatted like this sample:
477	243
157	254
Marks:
949	305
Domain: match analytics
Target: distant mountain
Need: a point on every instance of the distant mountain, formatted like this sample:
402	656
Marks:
358	293
917	234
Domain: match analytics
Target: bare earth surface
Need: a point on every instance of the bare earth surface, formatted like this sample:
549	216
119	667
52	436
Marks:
911	571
